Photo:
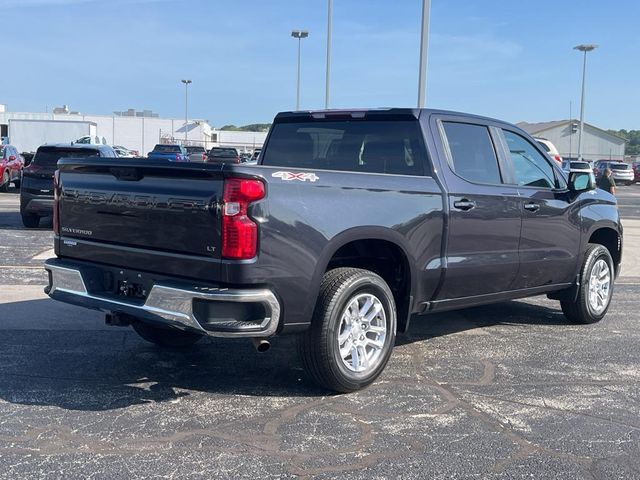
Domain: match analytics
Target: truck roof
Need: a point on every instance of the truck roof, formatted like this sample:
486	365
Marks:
362	112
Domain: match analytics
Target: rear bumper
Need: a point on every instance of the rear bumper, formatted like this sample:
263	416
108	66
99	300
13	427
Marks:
36	204
623	178
171	304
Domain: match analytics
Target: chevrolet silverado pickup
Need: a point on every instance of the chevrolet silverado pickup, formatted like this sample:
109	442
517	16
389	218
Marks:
352	223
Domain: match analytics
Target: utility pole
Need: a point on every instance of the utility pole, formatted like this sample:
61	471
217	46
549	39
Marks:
327	90
186	107
424	49
299	34
583	48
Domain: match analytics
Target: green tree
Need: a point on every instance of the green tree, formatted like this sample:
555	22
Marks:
633	140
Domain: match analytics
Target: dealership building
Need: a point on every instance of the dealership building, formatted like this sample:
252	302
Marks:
138	130
597	143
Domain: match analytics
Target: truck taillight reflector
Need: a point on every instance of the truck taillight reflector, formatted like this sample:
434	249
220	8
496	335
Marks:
239	232
56	202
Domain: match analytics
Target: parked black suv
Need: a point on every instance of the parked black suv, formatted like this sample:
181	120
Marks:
36	194
352	222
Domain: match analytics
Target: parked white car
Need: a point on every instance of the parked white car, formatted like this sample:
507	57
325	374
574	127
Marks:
576	166
92	140
550	148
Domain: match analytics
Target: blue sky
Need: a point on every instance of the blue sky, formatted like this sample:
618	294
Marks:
492	57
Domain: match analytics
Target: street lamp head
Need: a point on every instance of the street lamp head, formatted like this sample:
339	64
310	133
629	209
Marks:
586	47
299	34
186	82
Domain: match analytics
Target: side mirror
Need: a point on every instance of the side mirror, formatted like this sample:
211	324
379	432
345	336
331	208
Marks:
581	181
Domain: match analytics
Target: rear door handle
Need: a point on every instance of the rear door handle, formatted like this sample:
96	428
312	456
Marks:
532	207
464	204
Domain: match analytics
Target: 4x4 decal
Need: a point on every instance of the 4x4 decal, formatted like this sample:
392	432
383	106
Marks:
302	176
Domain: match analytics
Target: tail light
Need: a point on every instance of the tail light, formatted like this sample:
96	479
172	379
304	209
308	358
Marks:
177	157
558	158
239	232
204	157
237	159
56	202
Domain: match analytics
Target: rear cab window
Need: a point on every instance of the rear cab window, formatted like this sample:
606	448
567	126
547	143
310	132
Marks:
224	152
47	157
167	149
367	145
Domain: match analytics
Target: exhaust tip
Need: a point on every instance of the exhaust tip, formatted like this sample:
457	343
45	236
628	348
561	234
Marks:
261	345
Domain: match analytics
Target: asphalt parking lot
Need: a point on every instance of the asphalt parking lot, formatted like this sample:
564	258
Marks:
505	391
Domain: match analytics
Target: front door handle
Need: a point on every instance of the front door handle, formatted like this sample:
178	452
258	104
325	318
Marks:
532	207
464	204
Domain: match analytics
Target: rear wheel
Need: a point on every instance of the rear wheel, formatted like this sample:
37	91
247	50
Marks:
352	332
596	287
30	221
16	183
4	184
165	337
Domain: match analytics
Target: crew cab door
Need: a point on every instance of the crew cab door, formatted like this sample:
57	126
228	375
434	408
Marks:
550	239
484	212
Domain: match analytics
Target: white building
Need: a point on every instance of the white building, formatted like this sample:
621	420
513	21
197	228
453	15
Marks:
597	144
142	130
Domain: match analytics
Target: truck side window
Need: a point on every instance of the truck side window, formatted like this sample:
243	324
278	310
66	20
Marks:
472	152
531	168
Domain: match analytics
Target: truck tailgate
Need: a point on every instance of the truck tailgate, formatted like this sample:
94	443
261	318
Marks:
148	215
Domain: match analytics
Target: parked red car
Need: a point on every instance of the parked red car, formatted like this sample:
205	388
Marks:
636	172
11	164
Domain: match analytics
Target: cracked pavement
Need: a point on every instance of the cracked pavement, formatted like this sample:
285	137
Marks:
503	391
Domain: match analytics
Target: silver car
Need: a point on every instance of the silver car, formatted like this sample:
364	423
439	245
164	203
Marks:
621	172
196	153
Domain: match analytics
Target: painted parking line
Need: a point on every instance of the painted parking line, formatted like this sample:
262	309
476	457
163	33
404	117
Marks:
21	267
44	255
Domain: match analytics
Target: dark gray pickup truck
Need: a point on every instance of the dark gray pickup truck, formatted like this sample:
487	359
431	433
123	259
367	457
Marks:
352	223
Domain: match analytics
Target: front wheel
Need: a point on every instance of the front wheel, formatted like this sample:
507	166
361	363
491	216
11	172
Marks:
352	332
165	337
596	287
4	183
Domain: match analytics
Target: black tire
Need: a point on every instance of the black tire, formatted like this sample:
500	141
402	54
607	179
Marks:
16	183
4	183
166	337
318	347
30	221
581	310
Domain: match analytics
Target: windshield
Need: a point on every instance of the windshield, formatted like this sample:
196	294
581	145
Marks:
167	149
620	166
223	152
195	149
48	157
580	165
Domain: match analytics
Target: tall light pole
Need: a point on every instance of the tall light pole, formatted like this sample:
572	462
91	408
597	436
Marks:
583	48
327	82
299	34
186	107
424	49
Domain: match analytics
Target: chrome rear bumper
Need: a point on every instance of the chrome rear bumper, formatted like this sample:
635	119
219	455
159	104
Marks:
171	305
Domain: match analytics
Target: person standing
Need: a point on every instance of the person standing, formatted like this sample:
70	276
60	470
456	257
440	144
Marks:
606	182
